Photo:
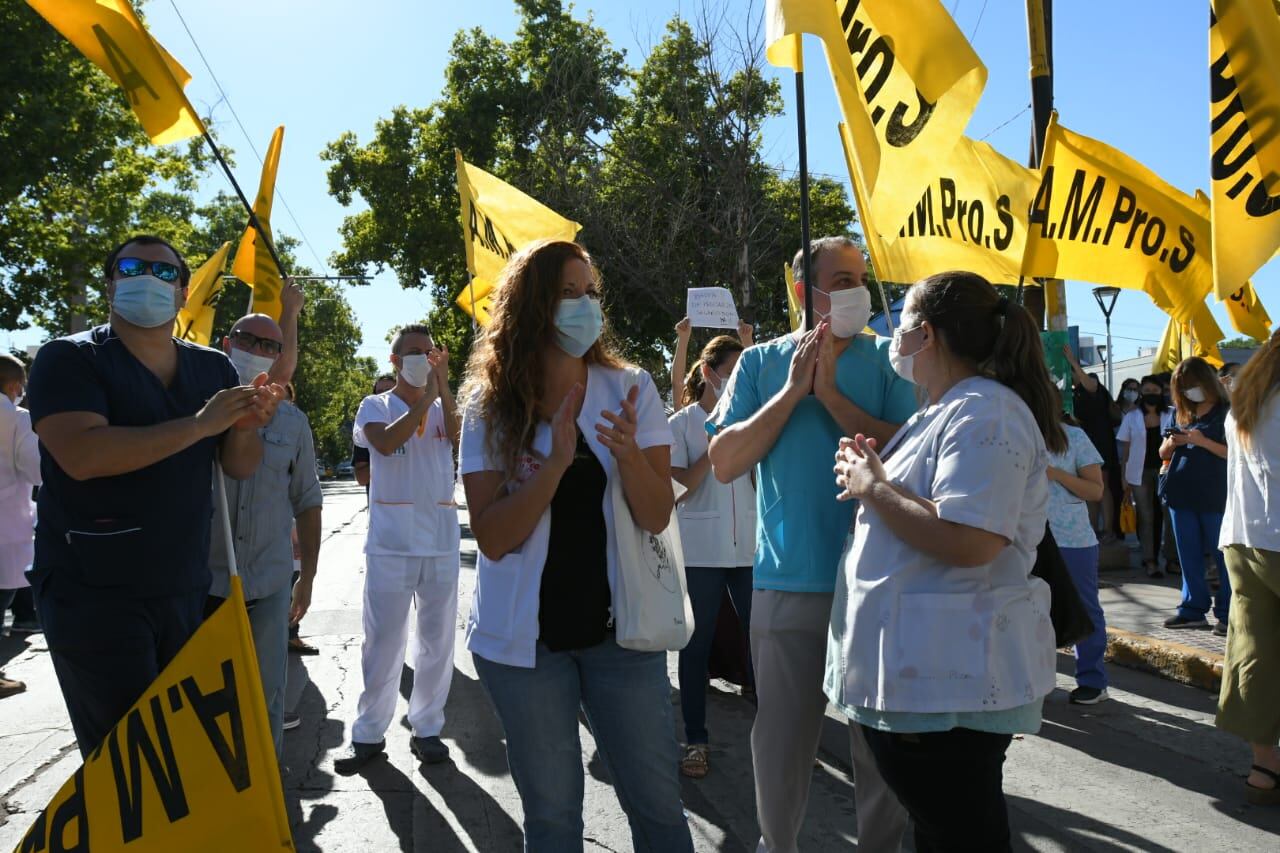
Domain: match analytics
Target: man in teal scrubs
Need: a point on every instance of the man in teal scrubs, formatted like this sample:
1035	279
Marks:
786	406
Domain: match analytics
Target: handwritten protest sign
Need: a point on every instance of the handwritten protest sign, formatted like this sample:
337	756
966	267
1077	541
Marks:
712	308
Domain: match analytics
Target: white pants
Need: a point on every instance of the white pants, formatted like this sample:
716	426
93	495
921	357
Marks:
390	583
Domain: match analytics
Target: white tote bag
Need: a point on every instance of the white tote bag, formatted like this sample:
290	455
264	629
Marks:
651	608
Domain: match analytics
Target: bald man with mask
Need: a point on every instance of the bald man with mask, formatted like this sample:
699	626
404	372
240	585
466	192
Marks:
263	510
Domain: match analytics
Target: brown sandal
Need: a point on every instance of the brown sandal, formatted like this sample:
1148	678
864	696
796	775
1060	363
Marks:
1263	796
695	763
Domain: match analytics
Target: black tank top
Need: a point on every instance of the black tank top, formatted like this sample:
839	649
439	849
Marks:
574	599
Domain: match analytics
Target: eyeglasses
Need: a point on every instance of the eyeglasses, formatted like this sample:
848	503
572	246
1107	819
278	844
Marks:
132	267
250	341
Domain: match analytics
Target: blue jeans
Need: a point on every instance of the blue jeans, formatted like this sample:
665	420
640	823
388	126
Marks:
706	591
1082	565
1197	532
626	698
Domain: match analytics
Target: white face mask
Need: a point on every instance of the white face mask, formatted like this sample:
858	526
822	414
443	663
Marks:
903	365
850	311
248	365
1195	395
1131	395
713	381
415	369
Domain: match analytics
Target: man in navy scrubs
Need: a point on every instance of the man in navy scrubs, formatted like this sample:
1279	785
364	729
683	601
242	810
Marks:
130	420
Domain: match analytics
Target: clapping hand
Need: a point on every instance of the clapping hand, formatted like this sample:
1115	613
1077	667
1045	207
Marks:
564	429
620	438
438	358
858	467
803	362
265	402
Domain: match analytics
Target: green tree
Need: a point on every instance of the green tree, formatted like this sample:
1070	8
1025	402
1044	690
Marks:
80	175
662	164
524	110
1239	343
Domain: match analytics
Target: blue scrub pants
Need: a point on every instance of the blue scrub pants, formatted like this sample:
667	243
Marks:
107	652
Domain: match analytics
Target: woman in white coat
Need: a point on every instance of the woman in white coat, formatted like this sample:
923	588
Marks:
19	474
552	418
941	643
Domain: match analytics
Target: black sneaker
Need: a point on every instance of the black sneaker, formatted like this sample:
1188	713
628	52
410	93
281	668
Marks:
357	756
1220	629
1088	696
291	721
1186	622
429	750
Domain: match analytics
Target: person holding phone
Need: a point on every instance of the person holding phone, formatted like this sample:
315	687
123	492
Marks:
1195	489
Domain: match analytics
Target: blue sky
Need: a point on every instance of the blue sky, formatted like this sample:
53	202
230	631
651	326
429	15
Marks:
1131	73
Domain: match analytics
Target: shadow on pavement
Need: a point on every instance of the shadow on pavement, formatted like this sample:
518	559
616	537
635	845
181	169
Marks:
303	751
1075	831
1172	758
11	646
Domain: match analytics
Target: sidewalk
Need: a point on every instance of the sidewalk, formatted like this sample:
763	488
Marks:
1136	607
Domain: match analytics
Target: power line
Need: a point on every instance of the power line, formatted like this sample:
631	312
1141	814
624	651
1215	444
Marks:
1121	337
981	12
301	233
1005	124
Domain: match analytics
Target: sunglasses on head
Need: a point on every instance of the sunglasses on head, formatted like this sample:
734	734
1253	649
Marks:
163	270
250	341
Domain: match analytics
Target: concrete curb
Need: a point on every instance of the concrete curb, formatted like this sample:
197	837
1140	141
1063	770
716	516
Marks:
1188	664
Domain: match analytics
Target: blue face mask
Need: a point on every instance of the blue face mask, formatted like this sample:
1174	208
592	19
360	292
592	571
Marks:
145	301
578	324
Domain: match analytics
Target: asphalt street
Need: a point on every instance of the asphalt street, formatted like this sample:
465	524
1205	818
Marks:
1146	771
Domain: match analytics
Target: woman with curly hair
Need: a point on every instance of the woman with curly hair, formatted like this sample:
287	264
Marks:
552	417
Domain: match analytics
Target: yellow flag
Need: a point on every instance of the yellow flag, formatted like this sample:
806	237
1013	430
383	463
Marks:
1247	314
907	82
195	319
1244	138
1244	309
253	264
787	52
497	221
971	216
110	35
1101	216
191	766
795	313
1181	341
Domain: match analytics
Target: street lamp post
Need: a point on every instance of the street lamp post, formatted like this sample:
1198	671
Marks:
1106	297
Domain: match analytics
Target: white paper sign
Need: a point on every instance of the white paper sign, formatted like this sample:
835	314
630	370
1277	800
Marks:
712	308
